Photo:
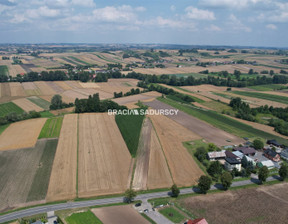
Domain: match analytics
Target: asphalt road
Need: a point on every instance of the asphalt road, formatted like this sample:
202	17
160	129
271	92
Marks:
105	201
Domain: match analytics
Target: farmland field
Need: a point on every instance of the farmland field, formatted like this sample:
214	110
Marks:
119	214
268	87
25	175
222	122
27	105
62	183
104	160
52	128
39	102
235	208
276	98
22	134
83	218
130	128
7	108
4	70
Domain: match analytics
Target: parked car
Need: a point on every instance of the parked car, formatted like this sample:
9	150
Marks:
137	204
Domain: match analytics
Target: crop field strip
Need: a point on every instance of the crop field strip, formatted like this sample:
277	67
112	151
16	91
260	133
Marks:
4	70
14	137
62	185
104	160
222	122
39	102
51	128
7	108
27	105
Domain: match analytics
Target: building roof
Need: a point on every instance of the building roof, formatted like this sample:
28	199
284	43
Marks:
238	154
250	159
232	160
245	150
267	163
273	142
271	153
216	154
197	221
230	154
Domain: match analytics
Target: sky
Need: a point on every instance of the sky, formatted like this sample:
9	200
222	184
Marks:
192	22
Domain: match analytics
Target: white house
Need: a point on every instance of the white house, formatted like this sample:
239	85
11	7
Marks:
231	163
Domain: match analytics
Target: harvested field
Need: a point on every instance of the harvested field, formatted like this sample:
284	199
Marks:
158	174
17	89
184	170
145	97
261	207
73	95
56	88
104	160
119	214
14	137
205	88
5	90
205	130
65	98
62	183
62	111
27	105
63	85
44	88
73	84
89	85
142	157
31	89
17	171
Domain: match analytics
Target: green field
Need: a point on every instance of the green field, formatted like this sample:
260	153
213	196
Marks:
78	60
3	127
218	106
270	87
172	214
4	70
83	218
7	108
40	102
264	96
130	128
193	97
71	61
40	183
222	122
52	128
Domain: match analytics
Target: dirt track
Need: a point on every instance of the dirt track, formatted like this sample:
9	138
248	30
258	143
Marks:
205	130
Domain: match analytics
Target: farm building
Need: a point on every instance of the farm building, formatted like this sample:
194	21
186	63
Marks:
197	221
284	154
268	163
238	154
271	154
212	156
274	142
230	154
231	163
247	151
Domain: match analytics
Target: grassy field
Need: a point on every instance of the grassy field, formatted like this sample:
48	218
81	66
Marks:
41	179
4	70
225	123
46	114
52	128
79	60
130	128
172	214
264	96
83	218
70	61
194	98
270	87
218	106
40	102
7	108
3	127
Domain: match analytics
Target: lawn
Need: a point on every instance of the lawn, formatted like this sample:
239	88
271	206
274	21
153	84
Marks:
83	218
40	102
222	122
7	108
41	179
264	96
52	128
4	70
130	128
270	87
172	214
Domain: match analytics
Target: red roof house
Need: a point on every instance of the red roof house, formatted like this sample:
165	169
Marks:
197	221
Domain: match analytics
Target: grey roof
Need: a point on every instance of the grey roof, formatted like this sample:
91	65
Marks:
232	160
245	150
216	154
270	152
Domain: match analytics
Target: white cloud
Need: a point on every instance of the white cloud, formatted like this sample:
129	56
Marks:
140	9
235	24
271	27
213	27
86	3
279	14
239	4
199	14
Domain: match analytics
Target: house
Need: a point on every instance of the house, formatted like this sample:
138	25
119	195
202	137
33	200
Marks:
231	163
284	154
250	160
197	221
230	154
247	151
238	154
212	156
271	154
268	163
274	142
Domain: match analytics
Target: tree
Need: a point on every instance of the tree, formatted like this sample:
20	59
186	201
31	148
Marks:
201	153
215	169
175	190
130	194
263	174
226	180
56	102
258	144
283	171
212	147
204	183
